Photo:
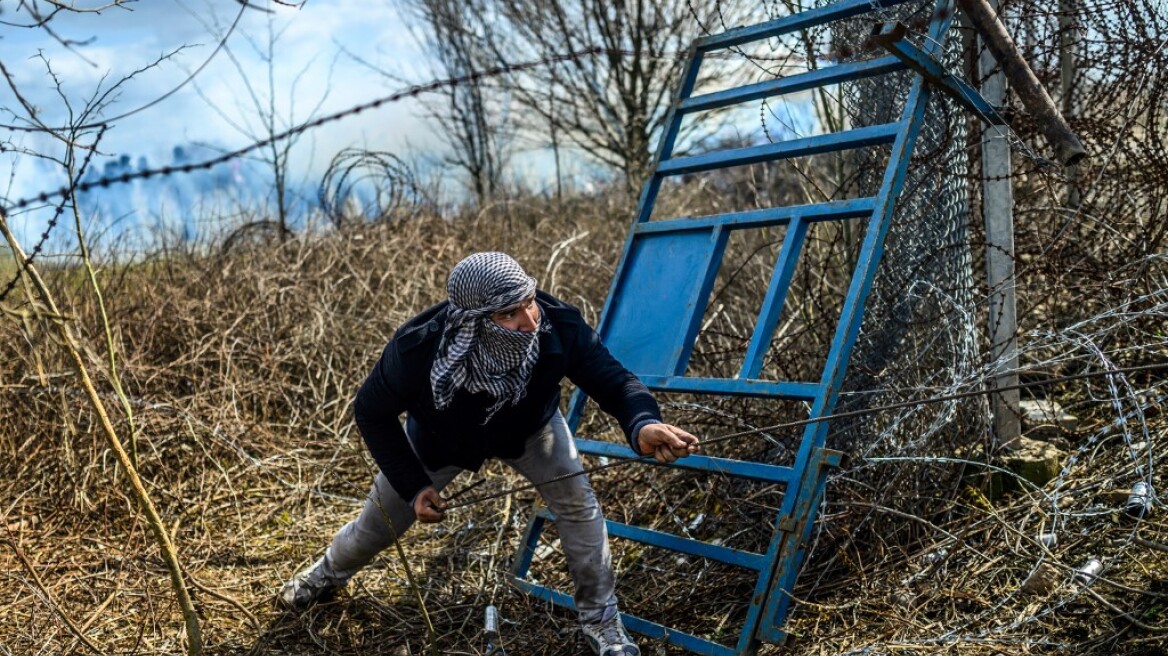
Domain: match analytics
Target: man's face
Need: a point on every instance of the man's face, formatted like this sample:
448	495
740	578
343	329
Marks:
522	317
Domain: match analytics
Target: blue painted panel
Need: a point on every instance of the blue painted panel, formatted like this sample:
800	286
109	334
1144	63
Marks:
873	135
699	297
734	387
653	306
756	471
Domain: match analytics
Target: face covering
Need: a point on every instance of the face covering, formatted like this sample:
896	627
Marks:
475	353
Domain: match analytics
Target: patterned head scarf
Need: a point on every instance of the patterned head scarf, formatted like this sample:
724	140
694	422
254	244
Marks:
476	353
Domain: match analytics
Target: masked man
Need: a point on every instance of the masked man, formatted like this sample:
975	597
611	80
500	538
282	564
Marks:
478	376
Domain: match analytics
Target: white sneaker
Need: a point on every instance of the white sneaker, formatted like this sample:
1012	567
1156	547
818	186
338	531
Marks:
317	583
609	638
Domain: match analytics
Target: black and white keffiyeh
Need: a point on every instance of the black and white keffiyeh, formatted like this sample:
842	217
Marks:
475	353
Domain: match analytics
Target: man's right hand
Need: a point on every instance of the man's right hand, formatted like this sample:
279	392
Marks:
429	506
665	443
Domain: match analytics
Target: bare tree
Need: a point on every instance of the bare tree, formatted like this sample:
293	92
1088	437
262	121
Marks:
260	116
610	105
608	75
84	127
472	116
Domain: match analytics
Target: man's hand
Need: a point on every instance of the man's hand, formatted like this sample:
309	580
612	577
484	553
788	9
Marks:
665	443
429	506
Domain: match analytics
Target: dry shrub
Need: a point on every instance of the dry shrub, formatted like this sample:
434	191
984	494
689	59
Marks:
240	366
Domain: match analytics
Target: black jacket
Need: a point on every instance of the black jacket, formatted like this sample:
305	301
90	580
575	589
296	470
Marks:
456	435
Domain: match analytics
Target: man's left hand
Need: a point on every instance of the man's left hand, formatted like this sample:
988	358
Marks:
666	443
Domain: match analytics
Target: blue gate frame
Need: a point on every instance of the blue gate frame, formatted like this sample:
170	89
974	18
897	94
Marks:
672	264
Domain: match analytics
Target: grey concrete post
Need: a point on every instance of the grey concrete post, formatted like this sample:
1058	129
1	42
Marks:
998	213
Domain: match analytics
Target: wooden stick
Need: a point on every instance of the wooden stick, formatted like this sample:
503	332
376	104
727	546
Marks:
1069	150
166	546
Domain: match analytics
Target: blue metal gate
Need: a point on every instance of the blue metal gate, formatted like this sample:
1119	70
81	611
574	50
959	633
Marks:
672	264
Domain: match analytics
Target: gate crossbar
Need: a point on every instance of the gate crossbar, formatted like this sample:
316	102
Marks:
670	265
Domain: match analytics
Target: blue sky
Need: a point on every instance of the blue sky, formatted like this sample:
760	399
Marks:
314	71
309	70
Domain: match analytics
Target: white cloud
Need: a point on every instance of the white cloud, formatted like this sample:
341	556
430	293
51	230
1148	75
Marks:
306	62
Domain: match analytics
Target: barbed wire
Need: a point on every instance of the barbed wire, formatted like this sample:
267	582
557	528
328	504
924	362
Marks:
1070	345
23	265
409	92
64	193
731	437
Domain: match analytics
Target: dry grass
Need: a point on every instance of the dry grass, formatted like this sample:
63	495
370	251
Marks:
241	367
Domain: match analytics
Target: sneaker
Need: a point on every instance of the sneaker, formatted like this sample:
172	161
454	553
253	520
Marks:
317	583
609	638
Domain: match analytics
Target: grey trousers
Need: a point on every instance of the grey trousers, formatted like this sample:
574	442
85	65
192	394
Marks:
549	453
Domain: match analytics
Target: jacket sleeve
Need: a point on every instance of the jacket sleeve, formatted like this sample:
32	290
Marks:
615	389
377	408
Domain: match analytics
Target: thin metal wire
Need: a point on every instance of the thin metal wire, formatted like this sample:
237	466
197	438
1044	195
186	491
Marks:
1161	366
36	250
408	92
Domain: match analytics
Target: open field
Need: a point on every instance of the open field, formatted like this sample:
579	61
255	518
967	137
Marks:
226	365
239	370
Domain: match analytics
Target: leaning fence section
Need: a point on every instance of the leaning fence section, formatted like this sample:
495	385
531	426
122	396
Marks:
662	290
